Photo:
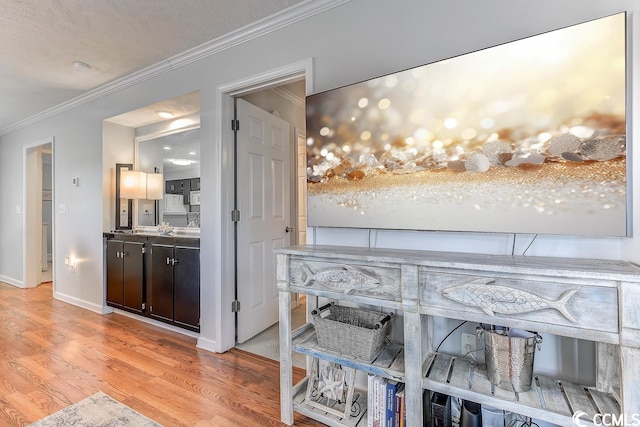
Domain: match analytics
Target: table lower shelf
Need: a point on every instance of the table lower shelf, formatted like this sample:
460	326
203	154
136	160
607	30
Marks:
332	420
388	363
550	400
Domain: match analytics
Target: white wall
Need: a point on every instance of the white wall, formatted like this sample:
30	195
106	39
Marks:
358	40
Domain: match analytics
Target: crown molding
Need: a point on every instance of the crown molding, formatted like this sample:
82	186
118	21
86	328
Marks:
247	33
288	95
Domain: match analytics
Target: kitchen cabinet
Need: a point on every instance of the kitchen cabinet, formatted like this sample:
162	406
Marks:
588	299
179	186
175	284
175	186
125	275
195	184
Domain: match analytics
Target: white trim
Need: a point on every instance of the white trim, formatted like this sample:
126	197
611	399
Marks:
288	95
207	344
277	76
11	281
28	263
96	308
249	32
153	322
225	319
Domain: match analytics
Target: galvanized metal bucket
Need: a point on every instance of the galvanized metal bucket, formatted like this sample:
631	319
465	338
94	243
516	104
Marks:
509	356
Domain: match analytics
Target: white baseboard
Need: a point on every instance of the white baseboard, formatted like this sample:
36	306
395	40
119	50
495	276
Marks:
12	282
208	345
96	308
157	323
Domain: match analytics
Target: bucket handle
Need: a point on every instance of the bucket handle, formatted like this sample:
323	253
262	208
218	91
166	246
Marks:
480	330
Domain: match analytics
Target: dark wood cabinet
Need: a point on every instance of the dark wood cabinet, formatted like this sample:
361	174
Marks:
155	276
175	284
180	186
186	291
161	289
195	184
175	186
125	275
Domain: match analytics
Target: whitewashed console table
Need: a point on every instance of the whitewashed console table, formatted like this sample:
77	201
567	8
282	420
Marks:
590	299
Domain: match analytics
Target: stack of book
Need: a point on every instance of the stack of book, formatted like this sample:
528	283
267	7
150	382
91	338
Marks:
385	402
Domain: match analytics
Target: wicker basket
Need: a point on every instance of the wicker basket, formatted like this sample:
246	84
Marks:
351	331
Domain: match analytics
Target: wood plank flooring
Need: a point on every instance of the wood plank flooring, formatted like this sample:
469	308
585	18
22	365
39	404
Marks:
53	354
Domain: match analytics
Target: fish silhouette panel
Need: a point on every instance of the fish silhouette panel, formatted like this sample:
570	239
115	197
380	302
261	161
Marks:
492	298
341	278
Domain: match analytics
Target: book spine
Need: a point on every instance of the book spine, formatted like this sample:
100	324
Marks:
370	399
390	403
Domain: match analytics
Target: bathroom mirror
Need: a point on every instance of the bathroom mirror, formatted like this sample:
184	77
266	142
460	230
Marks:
175	155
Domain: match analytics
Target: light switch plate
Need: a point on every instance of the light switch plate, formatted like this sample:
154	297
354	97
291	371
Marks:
62	209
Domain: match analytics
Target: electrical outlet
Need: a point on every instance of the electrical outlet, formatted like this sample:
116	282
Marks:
468	343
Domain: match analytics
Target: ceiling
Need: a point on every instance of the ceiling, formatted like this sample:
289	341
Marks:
41	39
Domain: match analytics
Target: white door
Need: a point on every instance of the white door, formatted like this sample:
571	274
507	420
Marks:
264	205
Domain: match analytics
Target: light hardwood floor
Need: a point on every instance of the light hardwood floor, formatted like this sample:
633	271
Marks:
53	354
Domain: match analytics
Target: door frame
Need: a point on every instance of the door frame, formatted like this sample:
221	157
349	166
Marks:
226	93
32	213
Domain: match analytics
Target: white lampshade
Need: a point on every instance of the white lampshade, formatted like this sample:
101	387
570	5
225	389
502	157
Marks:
133	184
155	186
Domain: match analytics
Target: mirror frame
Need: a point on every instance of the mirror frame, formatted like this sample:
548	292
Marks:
119	226
155	135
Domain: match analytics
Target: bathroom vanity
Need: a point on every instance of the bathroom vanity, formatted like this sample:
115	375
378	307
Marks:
154	275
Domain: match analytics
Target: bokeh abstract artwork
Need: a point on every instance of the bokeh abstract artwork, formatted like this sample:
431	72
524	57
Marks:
525	137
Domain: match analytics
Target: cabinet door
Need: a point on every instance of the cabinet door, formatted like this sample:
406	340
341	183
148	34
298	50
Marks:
186	191
173	186
114	273
187	286
133	276
161	286
195	184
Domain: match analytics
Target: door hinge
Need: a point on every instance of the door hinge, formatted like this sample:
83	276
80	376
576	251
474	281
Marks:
235	125
235	306
144	250
235	215
144	305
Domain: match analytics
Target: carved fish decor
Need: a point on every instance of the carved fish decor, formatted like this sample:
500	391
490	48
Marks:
342	279
493	299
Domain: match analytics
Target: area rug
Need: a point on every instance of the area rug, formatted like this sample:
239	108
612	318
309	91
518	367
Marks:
98	410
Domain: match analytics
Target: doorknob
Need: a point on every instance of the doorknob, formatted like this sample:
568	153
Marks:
288	230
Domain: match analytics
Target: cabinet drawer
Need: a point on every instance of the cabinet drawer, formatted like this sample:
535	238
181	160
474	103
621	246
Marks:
501	300
353	279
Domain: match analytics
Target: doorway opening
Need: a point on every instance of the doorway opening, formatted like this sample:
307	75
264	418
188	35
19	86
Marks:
267	186
38	214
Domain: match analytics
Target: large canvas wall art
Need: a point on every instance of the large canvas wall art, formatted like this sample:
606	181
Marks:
524	137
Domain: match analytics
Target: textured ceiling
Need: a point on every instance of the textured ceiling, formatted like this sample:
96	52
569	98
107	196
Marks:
40	40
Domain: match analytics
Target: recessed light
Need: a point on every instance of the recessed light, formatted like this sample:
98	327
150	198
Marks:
165	114
192	153
82	65
166	147
181	162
